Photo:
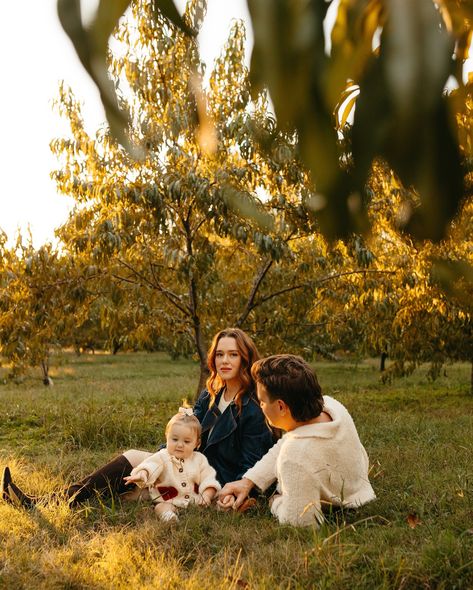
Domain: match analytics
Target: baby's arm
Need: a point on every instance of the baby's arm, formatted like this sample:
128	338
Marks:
147	472
209	485
206	497
140	478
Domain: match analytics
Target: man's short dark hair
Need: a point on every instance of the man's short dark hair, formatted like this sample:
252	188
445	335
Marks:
289	378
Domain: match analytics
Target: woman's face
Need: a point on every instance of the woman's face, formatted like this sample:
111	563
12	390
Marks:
228	359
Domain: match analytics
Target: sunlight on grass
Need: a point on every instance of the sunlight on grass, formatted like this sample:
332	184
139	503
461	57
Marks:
419	436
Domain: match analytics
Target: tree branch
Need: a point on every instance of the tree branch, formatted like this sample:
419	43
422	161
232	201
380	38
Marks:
173	298
256	284
315	283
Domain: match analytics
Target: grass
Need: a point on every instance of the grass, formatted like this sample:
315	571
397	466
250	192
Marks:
418	534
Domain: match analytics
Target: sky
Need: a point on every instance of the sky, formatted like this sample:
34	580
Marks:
35	55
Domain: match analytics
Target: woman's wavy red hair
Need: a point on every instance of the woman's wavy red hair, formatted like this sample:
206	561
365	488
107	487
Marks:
249	354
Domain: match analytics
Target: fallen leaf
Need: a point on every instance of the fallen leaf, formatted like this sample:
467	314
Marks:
413	520
247	505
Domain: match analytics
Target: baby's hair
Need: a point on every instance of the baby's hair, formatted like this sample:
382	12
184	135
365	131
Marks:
186	417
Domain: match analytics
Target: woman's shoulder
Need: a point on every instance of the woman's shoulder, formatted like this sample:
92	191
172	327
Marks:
203	394
250	407
203	399
249	400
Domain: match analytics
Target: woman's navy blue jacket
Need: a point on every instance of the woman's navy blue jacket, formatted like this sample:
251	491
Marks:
238	439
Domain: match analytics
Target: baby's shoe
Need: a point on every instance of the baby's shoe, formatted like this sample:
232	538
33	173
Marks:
169	516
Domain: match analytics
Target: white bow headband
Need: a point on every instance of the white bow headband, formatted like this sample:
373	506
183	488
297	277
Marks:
186	411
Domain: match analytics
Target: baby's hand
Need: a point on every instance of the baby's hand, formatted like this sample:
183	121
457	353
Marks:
139	477
225	503
205	498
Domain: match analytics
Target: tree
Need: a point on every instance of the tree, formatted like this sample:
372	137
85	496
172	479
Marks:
157	229
33	305
401	111
418	311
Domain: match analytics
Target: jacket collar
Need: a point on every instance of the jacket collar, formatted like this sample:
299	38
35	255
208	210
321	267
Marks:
244	400
227	424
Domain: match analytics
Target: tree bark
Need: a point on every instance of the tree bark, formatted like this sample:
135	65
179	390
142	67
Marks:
196	327
382	364
45	370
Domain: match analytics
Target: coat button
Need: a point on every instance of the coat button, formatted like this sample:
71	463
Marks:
181	470
183	484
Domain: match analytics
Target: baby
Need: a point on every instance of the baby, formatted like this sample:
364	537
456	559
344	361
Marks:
177	475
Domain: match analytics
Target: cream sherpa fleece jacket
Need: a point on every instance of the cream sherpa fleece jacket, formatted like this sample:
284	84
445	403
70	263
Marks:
178	481
316	465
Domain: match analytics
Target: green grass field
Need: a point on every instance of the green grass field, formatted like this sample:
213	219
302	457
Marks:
418	534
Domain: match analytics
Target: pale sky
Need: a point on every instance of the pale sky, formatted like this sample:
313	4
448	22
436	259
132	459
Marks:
36	54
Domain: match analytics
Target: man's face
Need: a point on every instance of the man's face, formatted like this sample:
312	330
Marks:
271	409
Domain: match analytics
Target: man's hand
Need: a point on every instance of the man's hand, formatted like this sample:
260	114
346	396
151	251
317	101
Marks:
234	493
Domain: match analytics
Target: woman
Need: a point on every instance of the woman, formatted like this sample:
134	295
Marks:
234	431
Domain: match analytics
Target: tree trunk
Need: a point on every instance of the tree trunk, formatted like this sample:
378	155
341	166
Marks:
202	352
194	315
45	370
204	373
471	379
382	365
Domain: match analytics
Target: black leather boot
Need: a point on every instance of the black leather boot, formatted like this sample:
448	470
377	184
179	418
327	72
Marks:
6	479
12	494
106	480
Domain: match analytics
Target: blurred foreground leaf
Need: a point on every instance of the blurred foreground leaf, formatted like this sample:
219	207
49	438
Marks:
399	53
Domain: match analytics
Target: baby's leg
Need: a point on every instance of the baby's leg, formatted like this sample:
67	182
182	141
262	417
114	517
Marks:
166	511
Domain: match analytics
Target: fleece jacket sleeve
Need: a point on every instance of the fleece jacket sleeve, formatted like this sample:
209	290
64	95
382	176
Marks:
299	503
264	473
152	466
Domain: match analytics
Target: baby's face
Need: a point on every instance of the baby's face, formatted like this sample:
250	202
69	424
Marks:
181	441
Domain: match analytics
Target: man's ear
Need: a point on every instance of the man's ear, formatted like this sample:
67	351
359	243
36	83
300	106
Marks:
283	407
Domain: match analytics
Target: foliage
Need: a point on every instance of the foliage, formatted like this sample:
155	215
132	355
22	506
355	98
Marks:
401	113
202	231
406	312
33	305
212	223
416	535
